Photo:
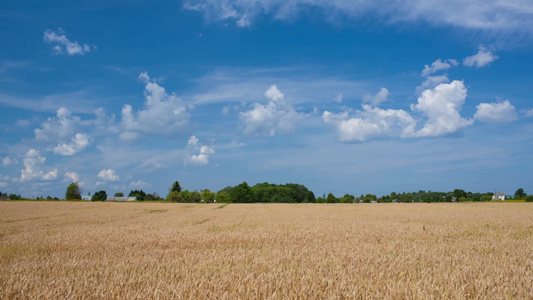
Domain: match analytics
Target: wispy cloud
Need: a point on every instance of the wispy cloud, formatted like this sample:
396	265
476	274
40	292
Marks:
62	45
512	15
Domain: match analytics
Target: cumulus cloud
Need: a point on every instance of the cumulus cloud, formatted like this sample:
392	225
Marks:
482	58
378	98
277	116
430	82
511	15
162	114
3	184
63	45
496	113
370	123
200	159
72	176
33	167
77	144
441	106
439	65
61	127
8	161
108	175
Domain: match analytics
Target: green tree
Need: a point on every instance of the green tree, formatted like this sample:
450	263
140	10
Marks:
519	194
176	187
457	193
242	194
99	196
139	194
174	197
331	198
486	198
150	197
195	196
119	194
529	198
73	192
208	196
223	196
369	198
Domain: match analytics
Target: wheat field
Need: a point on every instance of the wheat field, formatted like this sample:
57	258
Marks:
61	250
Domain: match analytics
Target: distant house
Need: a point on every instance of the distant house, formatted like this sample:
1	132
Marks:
86	198
121	199
4	198
499	196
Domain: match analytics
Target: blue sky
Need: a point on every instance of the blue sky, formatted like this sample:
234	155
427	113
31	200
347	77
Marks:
341	96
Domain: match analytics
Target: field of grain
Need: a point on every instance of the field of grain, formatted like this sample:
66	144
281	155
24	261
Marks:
278	251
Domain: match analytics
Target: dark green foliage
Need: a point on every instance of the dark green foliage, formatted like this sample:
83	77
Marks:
73	192
369	198
242	194
139	194
99	196
149	197
331	198
120	194
457	193
519	194
529	198
176	187
223	195
287	193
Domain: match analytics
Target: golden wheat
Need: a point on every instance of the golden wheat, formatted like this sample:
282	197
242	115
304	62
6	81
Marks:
276	251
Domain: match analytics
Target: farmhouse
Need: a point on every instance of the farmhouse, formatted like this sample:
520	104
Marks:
121	199
499	196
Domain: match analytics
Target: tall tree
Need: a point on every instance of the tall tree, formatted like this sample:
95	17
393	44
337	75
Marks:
119	194
519	194
73	192
176	187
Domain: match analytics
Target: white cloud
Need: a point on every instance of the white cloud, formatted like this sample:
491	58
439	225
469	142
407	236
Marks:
61	127
528	113
77	144
193	141
63	45
430	82
162	114
439	65
200	159
8	161
441	106
510	15
139	184
109	175
33	165
378	98
3	184
72	176
50	175
370	123
482	58
277	116
497	113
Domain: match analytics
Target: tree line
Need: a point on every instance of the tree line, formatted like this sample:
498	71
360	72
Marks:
279	193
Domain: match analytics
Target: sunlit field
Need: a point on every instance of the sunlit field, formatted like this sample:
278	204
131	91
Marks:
62	250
